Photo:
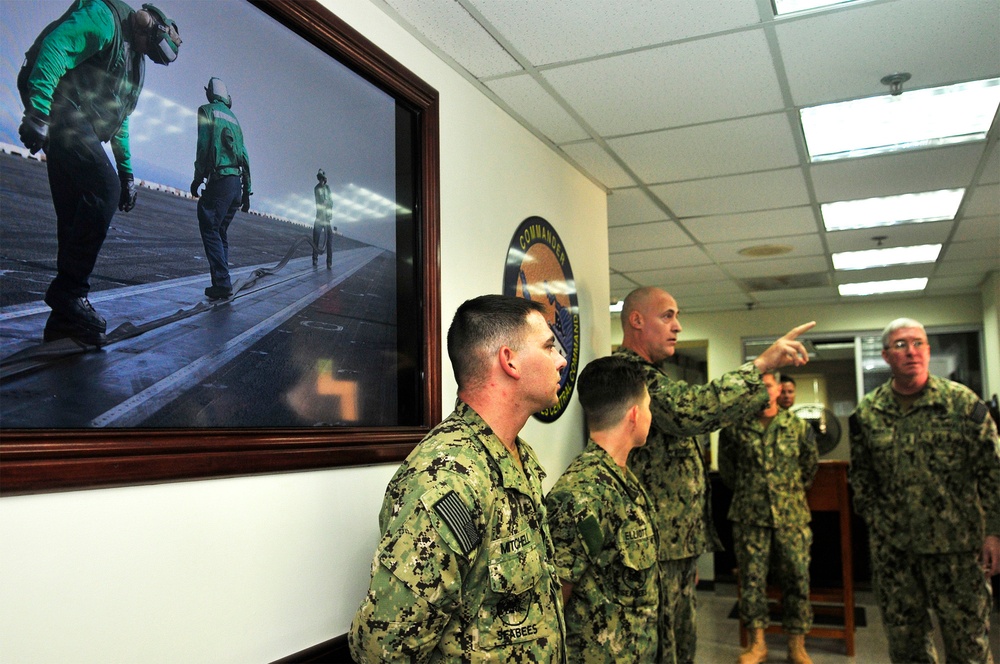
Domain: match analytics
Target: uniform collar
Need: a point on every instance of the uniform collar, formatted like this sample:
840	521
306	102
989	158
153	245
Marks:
931	395
511	475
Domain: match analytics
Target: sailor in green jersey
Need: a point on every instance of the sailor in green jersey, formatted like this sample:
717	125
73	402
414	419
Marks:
222	160
324	216
464	570
81	81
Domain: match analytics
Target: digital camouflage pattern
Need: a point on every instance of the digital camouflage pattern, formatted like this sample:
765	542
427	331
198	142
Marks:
927	483
769	470
952	585
670	464
678	594
788	546
464	569
929	479
671	469
601	523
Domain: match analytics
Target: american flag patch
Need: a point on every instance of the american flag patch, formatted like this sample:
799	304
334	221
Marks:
453	512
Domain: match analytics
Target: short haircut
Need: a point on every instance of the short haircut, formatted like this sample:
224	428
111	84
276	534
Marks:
608	387
634	301
784	378
899	324
480	327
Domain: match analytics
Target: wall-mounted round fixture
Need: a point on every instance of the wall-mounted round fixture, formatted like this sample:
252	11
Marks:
764	250
895	82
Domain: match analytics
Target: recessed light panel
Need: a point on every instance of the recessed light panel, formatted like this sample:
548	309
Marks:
782	7
890	210
877	287
918	119
863	260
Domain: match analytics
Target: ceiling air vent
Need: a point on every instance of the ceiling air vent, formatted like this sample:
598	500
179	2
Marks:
786	282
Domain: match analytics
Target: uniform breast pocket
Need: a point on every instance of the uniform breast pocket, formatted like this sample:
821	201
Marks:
634	583
884	452
513	610
944	450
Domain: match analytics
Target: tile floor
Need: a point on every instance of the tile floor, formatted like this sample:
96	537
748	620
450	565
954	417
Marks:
719	636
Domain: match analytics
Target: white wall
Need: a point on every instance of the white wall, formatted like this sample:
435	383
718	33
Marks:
991	332
253	569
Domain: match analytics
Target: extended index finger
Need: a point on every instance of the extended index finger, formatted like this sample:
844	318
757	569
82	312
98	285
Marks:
796	331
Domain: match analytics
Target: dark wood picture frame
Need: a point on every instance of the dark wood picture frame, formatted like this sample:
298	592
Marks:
44	460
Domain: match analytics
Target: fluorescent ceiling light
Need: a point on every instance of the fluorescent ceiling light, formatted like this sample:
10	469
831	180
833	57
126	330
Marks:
782	7
862	260
876	287
889	210
922	118
616	308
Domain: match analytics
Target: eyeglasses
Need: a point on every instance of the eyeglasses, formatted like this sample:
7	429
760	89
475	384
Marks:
902	344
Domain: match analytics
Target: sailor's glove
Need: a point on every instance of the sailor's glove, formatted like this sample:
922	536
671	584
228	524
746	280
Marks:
34	131
126	201
246	195
195	183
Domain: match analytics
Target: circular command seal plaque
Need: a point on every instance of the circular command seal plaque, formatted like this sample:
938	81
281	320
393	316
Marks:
538	269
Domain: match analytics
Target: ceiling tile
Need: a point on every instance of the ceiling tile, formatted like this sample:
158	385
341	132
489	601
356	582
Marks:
752	225
943	285
984	201
836	55
656	235
978	229
687	83
899	173
632	206
720	287
970	251
548	31
713	303
619	281
954	267
598	163
801	245
453	30
795	295
718	148
668	278
904	235
529	100
736	193
777	267
654	259
991	172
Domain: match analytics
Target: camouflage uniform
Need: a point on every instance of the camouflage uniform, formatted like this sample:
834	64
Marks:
769	471
671	469
464	569
927	483
601	523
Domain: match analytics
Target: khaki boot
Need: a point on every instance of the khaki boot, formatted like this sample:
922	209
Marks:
756	651
797	649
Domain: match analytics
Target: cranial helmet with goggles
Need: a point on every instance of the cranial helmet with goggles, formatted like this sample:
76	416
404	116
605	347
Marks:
216	91
164	36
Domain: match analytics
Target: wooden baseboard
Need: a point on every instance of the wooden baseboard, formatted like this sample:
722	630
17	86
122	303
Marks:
334	651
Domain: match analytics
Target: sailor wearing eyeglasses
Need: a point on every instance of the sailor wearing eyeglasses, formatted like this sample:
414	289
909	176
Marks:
925	469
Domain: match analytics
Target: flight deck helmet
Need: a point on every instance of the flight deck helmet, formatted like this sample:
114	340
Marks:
216	91
164	36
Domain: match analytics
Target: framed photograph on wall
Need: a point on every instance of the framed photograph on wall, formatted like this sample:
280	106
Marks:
310	363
